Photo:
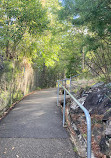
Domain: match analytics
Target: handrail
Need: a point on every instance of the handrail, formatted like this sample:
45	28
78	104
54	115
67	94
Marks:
71	77
88	118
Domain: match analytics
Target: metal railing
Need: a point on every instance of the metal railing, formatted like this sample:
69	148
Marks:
88	118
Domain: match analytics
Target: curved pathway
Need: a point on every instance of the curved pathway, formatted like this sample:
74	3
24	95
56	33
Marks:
33	129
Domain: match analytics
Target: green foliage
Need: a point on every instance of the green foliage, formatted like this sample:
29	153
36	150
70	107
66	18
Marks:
38	88
75	149
92	19
8	69
17	19
95	15
17	96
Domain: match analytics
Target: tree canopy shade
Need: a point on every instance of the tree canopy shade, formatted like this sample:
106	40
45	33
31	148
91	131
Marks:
30	31
61	34
17	18
94	17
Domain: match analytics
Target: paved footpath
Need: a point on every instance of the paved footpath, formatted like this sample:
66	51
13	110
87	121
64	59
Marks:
33	129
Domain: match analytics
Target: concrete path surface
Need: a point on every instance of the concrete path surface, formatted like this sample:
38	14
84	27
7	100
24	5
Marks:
33	129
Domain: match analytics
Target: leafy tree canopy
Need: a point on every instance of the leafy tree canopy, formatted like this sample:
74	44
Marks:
96	15
17	18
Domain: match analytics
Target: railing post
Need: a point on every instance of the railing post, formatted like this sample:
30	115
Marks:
58	95
62	82
88	119
70	84
64	108
65	83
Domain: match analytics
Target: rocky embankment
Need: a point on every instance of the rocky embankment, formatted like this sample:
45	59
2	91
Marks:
97	100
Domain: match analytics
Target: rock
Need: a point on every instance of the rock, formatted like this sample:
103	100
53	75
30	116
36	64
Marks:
108	130
108	85
80	93
110	148
103	145
75	108
98	85
106	116
97	100
75	129
74	104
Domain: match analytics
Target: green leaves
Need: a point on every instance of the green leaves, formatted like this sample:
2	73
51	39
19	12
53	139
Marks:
19	17
95	15
33	16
